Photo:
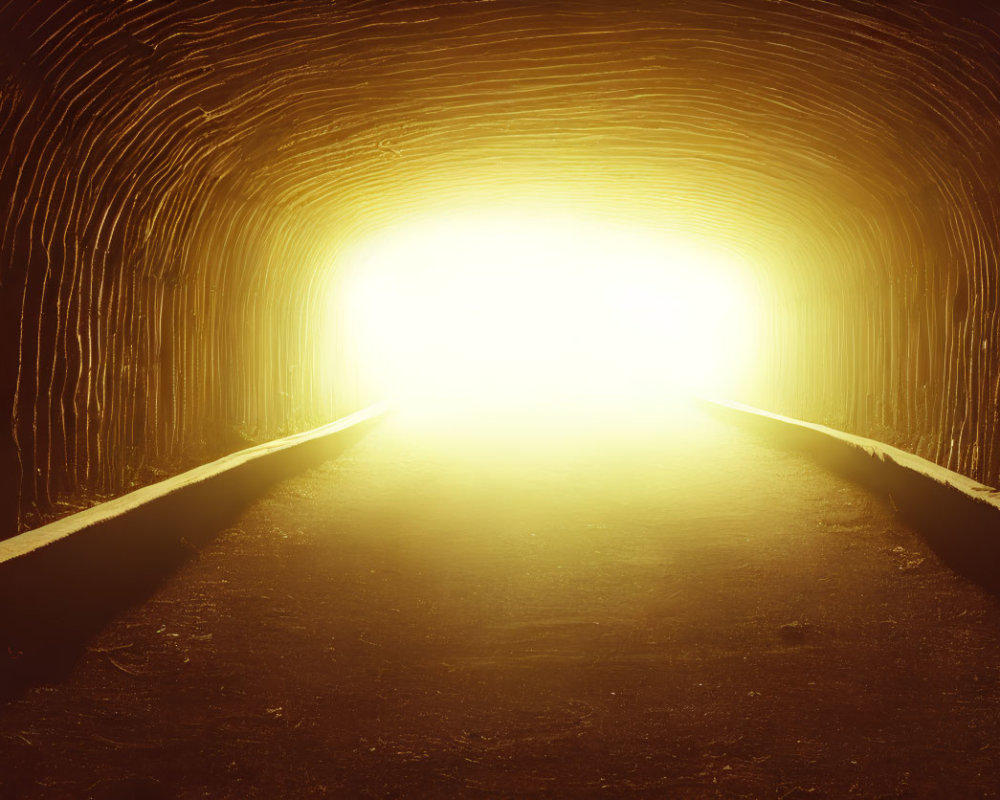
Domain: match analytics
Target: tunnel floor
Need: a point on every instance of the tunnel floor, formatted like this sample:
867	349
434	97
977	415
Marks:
683	614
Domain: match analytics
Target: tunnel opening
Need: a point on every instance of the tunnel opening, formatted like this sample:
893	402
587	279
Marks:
492	314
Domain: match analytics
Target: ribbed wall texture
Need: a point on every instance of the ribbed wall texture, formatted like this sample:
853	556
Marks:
177	178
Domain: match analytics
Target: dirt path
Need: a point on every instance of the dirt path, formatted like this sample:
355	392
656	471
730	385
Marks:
686	615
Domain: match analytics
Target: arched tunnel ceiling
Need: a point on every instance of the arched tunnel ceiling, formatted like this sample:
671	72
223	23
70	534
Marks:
179	174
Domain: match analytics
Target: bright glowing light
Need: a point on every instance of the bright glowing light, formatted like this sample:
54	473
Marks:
505	310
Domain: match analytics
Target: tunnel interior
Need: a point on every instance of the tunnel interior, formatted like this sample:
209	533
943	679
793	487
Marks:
186	183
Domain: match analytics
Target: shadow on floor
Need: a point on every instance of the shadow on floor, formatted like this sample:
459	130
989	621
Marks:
53	600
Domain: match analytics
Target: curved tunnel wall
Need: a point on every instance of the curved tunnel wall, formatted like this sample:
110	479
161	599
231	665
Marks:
180	176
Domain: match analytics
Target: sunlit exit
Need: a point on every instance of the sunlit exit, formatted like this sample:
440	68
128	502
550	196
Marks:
547	313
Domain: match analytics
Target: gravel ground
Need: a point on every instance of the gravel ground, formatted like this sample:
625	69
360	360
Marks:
680	614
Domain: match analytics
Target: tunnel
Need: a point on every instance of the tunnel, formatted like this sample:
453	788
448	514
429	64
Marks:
183	182
537	228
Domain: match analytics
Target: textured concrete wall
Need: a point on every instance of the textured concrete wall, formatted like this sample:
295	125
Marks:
178	178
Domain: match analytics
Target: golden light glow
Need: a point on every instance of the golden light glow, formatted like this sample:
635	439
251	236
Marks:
521	311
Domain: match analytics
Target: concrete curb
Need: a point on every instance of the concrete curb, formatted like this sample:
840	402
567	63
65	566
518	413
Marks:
959	517
61	582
